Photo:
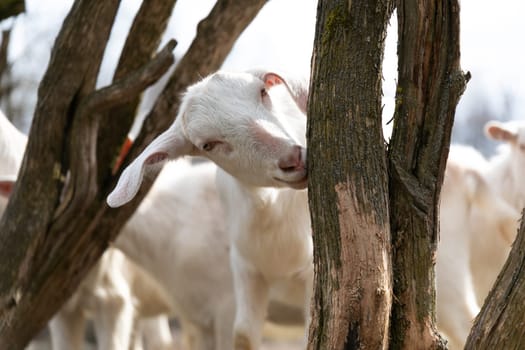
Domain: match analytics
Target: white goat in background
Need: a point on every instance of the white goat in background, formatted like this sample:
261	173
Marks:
114	294
475	223
506	169
258	142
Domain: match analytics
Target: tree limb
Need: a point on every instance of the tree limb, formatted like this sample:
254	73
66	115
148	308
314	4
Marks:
9	8
71	75
430	84
142	41
128	88
82	186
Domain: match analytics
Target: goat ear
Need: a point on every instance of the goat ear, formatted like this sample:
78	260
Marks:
501	132
171	144
298	88
271	80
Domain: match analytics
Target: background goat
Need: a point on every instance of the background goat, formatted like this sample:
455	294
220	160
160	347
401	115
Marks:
506	169
475	223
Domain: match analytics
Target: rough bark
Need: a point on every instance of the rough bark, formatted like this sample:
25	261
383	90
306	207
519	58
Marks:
499	325
4	45
9	8
348	191
53	231
430	84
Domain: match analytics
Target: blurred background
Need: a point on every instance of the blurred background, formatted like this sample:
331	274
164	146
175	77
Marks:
281	38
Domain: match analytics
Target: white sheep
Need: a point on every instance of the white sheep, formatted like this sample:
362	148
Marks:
257	139
474	225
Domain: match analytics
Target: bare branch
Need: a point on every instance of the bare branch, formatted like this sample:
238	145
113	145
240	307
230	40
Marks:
9	8
4	46
126	89
71	75
142	41
82	187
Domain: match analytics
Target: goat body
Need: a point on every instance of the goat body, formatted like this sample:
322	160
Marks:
113	294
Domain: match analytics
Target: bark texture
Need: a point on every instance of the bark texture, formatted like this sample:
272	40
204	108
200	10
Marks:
348	191
499	325
57	224
430	84
9	8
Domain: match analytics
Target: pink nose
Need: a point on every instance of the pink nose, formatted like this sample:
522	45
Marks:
293	161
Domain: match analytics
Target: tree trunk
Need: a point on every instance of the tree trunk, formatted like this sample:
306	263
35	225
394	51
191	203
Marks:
353	211
499	325
9	8
348	190
55	229
430	84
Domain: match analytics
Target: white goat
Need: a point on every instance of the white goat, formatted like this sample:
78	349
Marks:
505	172
258	142
474	225
113	294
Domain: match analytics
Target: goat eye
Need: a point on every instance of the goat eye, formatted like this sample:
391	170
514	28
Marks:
264	92
208	146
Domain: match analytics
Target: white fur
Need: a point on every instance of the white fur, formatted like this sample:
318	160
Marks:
177	234
257	139
12	147
474	225
113	294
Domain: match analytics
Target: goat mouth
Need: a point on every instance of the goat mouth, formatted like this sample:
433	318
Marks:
300	184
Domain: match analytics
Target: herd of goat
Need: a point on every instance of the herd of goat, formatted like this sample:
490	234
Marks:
224	245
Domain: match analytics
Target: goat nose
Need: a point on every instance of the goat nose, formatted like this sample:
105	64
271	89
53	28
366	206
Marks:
292	161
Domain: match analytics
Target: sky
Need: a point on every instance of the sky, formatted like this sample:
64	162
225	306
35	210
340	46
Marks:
281	38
